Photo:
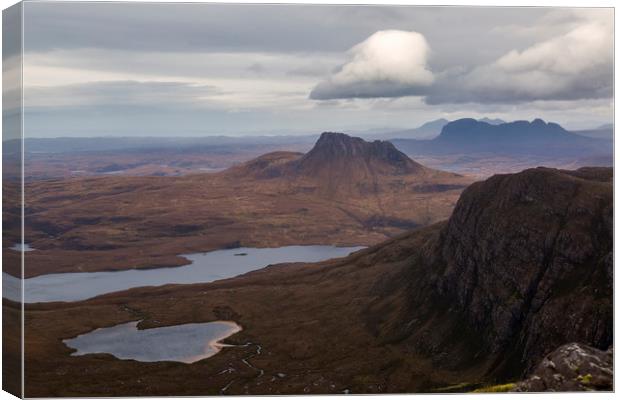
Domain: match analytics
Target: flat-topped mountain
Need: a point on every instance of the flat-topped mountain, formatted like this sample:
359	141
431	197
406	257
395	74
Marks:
537	137
470	132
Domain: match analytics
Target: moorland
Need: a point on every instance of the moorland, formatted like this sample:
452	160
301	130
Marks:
468	280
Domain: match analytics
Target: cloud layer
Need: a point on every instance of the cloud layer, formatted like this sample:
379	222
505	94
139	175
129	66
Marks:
168	69
576	64
389	63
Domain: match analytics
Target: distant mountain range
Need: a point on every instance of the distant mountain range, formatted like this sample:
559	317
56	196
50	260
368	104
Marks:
519	137
428	130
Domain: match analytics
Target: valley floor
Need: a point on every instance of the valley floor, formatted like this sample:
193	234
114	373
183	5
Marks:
310	308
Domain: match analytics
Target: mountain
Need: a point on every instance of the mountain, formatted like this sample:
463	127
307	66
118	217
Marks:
341	166
476	133
337	153
519	137
343	191
523	266
518	250
426	131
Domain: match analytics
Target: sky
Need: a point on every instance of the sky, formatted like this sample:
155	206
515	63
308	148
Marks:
149	69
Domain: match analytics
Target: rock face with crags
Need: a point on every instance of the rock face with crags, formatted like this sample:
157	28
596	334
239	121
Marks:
523	266
527	258
337	153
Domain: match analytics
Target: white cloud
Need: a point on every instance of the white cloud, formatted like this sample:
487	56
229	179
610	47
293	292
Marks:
573	61
577	64
577	51
389	63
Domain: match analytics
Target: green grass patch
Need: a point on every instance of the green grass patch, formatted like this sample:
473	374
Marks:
585	380
506	387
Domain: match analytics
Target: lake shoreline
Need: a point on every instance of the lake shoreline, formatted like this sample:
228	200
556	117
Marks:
155	344
201	268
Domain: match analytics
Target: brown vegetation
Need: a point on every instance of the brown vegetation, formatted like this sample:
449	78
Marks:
282	198
478	299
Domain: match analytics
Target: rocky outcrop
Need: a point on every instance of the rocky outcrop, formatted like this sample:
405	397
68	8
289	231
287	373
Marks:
340	153
572	367
526	259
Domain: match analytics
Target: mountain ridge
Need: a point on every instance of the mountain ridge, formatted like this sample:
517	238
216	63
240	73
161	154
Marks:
537	137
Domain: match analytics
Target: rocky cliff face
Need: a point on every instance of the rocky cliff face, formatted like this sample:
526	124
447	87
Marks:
527	260
337	153
523	266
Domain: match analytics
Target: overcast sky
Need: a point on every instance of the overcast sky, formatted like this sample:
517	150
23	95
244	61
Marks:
203	69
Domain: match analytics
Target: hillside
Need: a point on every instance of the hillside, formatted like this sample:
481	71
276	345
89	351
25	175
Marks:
522	267
515	253
345	191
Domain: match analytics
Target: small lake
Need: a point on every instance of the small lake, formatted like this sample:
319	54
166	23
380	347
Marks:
204	267
185	343
22	247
